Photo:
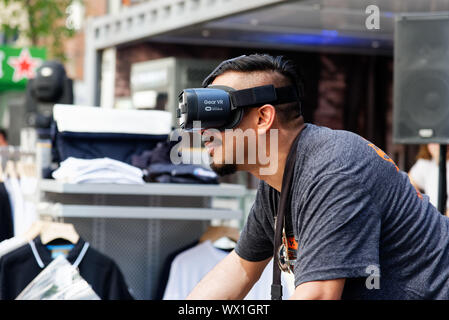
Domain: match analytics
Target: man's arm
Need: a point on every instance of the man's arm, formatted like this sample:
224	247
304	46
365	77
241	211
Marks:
319	290
231	279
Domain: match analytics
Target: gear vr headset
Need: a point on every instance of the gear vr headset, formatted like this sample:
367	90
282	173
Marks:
221	107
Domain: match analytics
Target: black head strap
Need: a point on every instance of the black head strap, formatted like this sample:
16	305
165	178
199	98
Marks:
264	94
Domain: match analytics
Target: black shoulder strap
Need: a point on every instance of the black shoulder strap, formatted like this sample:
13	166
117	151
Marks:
283	211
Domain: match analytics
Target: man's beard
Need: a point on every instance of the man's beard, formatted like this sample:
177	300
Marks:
223	170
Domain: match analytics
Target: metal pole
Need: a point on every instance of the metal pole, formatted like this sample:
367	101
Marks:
442	185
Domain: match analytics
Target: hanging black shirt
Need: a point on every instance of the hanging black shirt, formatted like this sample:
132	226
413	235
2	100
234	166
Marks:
6	223
19	267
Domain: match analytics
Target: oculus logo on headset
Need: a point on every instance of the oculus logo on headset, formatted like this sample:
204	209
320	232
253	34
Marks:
213	102
208	108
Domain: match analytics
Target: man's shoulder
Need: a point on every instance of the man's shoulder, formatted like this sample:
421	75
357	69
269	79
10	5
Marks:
327	149
319	137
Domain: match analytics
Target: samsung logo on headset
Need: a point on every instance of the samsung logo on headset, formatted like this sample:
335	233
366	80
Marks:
213	101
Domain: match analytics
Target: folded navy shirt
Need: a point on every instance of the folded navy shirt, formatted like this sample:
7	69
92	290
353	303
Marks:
159	168
180	173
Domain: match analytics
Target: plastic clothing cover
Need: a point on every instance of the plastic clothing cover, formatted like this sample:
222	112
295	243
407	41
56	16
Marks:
58	281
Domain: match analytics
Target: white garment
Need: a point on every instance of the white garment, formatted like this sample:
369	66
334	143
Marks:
101	170
28	185
22	204
11	244
190	266
425	174
93	119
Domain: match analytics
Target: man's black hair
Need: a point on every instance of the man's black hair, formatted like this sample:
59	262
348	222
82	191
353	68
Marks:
265	62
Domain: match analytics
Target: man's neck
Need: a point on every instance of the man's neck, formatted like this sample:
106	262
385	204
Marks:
285	142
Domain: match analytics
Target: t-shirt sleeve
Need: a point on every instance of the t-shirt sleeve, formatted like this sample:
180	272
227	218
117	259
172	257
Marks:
255	241
339	231
418	173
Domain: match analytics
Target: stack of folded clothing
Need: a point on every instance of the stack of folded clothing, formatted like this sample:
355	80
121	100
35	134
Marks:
158	167
180	173
102	170
91	133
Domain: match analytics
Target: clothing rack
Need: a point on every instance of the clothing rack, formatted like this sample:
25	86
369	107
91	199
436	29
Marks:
14	151
15	154
139	226
18	175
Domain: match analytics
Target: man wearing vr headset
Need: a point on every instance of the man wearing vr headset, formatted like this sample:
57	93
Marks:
354	228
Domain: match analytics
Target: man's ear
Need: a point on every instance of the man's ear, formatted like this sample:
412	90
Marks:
265	118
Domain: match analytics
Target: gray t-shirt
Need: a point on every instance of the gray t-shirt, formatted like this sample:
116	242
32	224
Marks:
355	215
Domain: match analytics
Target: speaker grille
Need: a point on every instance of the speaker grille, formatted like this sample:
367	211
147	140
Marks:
421	79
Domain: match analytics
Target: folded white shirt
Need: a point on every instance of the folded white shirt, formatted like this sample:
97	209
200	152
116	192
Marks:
101	170
76	118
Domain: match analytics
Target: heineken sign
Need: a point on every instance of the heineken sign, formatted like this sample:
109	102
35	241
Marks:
17	65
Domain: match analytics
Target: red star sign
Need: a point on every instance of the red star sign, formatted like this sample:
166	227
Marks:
24	65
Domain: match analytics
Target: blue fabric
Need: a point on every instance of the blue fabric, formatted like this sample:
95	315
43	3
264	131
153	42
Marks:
159	167
181	173
160	154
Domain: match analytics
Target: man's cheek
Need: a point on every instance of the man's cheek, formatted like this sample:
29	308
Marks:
218	154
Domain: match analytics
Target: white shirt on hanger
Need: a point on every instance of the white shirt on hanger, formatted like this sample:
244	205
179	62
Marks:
12	185
28	186
22	206
190	266
425	174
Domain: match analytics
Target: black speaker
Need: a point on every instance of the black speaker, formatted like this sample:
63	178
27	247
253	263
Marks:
50	86
421	79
